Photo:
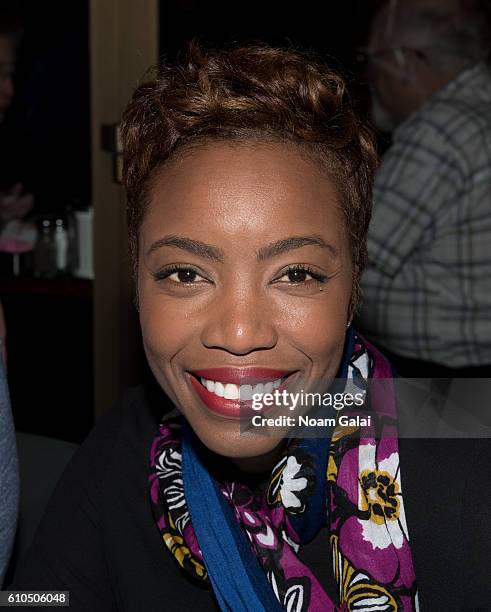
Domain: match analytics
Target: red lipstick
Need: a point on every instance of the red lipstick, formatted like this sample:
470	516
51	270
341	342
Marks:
233	408
241	376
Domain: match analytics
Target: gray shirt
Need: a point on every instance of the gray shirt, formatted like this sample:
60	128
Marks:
427	289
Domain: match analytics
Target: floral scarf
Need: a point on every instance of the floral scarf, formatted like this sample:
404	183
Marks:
351	484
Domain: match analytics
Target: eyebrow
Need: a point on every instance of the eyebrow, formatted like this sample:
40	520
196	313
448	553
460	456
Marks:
208	251
196	247
294	242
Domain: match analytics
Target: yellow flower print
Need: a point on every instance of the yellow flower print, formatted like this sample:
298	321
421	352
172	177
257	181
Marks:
381	494
182	554
338	433
357	591
332	469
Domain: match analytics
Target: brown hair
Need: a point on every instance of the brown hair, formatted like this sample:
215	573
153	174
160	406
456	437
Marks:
246	94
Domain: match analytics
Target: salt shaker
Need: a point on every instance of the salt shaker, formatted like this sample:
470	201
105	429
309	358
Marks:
61	246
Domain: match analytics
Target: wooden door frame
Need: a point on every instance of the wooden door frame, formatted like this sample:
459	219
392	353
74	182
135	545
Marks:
124	42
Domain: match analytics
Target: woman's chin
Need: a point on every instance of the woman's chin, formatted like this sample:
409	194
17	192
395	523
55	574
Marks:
231	442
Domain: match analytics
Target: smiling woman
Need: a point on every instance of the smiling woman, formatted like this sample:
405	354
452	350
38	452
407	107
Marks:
281	304
248	177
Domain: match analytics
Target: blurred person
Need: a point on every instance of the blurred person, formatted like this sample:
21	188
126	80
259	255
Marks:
14	203
3	336
9	477
248	178
427	288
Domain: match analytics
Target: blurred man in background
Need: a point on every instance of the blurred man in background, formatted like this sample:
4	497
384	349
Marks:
427	290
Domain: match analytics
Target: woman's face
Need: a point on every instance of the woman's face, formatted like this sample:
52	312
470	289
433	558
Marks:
244	278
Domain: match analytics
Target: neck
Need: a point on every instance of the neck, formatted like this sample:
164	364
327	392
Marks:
262	464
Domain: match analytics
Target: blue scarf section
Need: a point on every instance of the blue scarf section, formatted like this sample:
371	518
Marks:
237	578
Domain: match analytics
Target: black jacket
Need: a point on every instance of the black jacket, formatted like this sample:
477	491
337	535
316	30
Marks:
99	541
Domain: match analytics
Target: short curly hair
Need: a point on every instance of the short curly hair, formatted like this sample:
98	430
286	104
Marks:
247	94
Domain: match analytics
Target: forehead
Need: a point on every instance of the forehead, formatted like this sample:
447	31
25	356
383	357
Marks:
246	186
382	28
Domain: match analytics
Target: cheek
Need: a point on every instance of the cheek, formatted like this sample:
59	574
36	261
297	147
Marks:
385	93
388	90
317	327
165	328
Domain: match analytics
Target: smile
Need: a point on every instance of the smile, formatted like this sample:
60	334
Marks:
242	392
228	392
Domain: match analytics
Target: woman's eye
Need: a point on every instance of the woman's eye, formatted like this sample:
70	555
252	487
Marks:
298	275
184	276
181	276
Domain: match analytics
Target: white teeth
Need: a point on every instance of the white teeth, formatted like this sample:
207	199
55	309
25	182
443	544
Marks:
258	389
231	391
244	392
219	389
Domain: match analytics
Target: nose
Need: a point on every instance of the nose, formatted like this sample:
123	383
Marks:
241	324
